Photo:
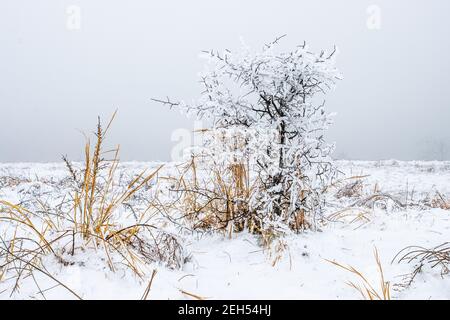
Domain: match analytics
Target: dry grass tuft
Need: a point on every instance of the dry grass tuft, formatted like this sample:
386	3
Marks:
222	187
365	288
90	217
375	198
352	215
438	256
217	200
351	189
10	181
96	200
440	201
276	250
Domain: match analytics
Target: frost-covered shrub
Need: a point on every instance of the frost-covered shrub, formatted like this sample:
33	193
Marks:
263	113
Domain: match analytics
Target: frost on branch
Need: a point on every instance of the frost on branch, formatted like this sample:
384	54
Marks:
265	116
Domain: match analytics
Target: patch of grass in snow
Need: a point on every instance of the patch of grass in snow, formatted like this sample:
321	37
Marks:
440	201
89	217
437	257
210	197
368	290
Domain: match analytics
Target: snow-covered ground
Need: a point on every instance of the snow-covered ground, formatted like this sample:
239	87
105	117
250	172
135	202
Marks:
295	267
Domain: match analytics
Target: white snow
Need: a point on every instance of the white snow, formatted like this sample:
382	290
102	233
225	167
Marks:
239	268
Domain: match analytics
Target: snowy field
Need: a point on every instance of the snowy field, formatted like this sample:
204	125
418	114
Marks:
409	209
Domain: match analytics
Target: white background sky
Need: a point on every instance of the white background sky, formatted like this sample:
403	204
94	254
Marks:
393	103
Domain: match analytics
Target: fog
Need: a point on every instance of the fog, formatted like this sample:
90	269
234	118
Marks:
57	75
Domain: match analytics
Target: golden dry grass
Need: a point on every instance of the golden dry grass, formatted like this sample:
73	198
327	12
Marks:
440	201
91	214
368	290
436	257
218	200
192	295
149	286
352	215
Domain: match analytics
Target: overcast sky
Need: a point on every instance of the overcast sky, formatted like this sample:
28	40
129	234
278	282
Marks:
55	79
